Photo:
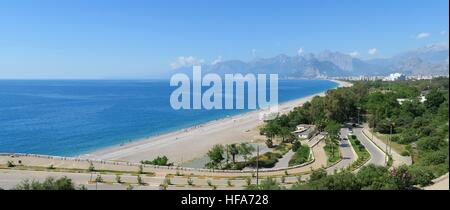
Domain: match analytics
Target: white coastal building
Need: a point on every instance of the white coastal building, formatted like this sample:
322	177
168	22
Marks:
303	131
395	77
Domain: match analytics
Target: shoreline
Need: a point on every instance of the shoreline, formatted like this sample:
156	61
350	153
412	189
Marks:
187	144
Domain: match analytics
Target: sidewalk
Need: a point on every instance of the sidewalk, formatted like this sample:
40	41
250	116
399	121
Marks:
441	183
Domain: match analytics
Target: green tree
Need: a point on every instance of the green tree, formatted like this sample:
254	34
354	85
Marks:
233	150
246	150
296	145
269	143
434	99
340	104
373	177
215	156
430	143
332	139
285	134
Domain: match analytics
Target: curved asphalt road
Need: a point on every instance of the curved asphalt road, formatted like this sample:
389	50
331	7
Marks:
377	156
398	160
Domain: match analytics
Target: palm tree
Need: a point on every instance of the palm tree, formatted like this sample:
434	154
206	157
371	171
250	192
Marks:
332	142
332	139
284	133
233	150
246	150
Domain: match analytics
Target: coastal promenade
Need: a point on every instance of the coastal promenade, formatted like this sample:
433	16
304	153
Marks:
179	146
37	167
189	144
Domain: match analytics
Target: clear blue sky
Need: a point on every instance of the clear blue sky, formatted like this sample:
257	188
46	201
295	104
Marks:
140	39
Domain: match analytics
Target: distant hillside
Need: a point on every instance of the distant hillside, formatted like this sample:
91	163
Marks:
432	59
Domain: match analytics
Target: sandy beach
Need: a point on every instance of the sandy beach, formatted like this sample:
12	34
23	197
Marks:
191	143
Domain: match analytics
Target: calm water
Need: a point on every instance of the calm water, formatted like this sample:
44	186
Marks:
76	117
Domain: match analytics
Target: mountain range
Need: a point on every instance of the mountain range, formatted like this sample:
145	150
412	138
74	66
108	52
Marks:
428	60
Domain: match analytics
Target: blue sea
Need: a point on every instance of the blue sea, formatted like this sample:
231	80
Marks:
62	117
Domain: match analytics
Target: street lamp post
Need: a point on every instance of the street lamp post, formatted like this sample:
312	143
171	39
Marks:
359	109
257	166
387	143
390	138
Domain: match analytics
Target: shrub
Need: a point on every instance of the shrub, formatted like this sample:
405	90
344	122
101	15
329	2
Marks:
163	186
99	178
299	178
434	158
407	138
248	181
296	145
118	179
401	178
139	180
361	147
10	164
50	183
282	148
159	161
373	177
430	143
267	160
91	167
421	176
235	166
167	181
395	139
229	183
190	182
404	153
141	169
318	174
82	187
267	184
301	156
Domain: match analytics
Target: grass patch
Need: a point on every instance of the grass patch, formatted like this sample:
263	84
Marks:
361	151
283	148
301	156
332	158
399	148
266	160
